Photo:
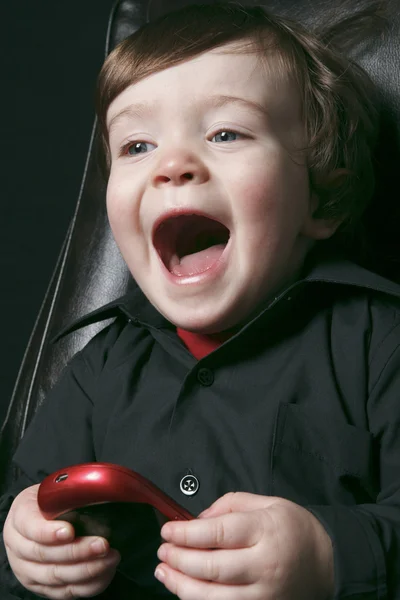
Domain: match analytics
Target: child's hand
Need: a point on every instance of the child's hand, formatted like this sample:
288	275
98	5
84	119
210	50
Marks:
247	546
49	565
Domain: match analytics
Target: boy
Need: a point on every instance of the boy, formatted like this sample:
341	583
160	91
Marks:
250	360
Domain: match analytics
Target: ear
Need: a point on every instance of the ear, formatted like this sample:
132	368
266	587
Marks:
317	228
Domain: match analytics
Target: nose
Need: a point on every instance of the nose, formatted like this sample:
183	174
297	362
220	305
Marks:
179	167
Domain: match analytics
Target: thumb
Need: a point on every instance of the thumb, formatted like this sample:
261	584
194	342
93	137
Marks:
240	502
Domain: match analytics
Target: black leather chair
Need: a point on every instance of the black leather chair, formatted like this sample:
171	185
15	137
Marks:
90	271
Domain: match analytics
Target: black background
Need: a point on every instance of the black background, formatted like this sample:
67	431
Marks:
51	52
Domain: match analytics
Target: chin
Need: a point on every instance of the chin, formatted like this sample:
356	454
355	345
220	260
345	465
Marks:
199	322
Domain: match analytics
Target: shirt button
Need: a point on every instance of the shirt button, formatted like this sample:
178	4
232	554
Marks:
205	376
189	485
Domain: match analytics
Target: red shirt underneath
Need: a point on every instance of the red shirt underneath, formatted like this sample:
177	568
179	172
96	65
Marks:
200	344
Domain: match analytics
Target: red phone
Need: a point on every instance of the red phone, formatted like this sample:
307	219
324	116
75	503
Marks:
90	484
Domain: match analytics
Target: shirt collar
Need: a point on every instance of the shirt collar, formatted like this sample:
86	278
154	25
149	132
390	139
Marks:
333	271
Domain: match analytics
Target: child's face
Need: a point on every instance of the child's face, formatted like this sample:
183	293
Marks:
175	160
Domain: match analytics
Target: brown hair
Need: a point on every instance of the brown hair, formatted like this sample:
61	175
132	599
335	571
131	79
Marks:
339	112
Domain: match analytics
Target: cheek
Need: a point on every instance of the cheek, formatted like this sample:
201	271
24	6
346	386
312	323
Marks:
115	199
257	197
122	207
272	192
115	210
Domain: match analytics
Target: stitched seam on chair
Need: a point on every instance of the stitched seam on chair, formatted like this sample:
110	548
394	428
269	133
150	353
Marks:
109	27
39	355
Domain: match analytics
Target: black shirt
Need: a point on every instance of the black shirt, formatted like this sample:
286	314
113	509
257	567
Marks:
303	403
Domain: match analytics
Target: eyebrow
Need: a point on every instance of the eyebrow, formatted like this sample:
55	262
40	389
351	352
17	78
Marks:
221	100
139	110
133	110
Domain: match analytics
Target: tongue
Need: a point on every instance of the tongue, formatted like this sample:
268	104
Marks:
198	262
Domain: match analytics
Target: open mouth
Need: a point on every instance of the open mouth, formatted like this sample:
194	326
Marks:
190	244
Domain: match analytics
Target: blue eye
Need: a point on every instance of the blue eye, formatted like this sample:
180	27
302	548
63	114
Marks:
224	136
133	149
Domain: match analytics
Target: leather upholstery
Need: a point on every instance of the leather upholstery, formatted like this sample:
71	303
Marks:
90	271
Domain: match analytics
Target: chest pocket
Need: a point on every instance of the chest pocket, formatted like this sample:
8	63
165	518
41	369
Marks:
319	461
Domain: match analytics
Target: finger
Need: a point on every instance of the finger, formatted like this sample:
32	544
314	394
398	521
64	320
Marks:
220	566
45	532
79	550
36	527
239	502
234	530
187	588
87	589
69	574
